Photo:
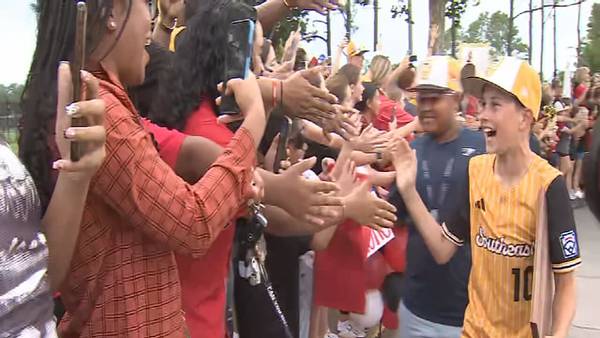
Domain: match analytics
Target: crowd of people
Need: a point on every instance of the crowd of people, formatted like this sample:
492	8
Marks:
407	198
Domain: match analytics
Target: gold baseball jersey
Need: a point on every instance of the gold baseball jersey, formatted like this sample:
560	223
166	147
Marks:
502	235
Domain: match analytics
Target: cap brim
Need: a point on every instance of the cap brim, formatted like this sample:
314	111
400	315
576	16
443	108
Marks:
428	87
360	52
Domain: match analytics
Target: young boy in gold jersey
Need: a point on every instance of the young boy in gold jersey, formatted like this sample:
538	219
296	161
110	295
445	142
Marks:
501	205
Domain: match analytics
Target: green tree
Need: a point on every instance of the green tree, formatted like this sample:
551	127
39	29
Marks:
494	29
591	47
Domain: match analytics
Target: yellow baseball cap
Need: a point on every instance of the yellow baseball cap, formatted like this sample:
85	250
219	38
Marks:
353	50
438	72
513	76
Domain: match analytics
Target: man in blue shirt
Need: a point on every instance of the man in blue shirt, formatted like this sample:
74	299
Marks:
435	296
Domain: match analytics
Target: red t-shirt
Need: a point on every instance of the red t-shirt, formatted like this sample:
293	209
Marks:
579	91
203	280
169	141
386	109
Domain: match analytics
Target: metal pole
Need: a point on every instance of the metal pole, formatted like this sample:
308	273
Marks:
410	28
453	32
328	21
530	49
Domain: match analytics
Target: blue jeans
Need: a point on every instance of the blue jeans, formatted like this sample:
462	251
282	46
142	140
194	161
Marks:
412	326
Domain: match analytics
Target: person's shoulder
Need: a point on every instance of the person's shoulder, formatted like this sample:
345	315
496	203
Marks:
474	139
481	162
543	171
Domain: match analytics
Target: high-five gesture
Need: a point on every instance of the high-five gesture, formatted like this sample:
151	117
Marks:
321	6
405	162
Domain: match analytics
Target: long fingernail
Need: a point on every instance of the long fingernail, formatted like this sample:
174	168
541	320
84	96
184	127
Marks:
56	165
85	75
72	109
63	63
69	133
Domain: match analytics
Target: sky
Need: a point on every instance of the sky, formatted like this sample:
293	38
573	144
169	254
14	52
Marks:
18	30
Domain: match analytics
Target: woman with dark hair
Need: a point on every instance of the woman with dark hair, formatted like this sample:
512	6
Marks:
369	103
352	74
123	280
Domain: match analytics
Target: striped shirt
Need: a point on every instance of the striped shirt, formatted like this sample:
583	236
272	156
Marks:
502	236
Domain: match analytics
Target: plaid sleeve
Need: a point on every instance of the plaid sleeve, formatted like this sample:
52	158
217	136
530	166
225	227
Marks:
144	190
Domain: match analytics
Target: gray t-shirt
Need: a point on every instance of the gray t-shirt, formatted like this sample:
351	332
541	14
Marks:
25	300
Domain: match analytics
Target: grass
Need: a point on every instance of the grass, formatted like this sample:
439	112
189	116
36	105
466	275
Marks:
11	136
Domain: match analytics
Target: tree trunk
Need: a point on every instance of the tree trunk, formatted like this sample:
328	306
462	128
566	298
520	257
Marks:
510	28
410	28
542	44
530	47
554	40
349	20
328	21
375	23
579	58
436	25
453	32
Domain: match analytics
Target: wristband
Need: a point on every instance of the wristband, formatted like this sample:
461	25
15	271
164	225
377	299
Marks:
274	94
280	92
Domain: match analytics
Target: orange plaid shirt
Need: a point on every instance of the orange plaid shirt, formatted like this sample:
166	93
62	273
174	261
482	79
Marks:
123	280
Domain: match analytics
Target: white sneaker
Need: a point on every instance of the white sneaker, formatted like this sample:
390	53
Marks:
579	194
572	196
349	329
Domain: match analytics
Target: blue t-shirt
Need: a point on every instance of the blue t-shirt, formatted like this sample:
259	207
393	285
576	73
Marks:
434	292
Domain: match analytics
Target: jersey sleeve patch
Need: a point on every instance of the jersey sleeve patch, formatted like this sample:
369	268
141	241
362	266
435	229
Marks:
568	243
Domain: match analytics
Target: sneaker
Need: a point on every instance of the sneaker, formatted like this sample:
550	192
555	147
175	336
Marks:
579	194
572	196
349	329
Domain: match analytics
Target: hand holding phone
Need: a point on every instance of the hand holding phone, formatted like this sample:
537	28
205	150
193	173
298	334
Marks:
240	42
76	67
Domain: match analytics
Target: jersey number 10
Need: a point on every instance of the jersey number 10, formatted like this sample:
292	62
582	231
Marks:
527	284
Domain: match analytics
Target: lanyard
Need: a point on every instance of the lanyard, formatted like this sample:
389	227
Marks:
444	186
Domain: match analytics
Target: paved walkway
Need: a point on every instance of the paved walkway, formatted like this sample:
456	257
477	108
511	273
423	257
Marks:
587	319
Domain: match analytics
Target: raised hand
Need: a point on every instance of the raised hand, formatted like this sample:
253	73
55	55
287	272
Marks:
369	210
405	162
345	177
170	10
304	100
321	6
308	200
370	140
247	95
92	137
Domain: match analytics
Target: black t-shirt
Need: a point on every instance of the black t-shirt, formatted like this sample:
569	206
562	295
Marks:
255	312
438	293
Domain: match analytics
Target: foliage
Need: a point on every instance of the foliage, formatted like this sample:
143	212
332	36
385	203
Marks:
494	30
591	48
10	97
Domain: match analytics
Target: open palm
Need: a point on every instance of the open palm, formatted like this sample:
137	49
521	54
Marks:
405	163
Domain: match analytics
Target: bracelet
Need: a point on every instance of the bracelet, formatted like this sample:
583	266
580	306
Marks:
274	94
280	92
